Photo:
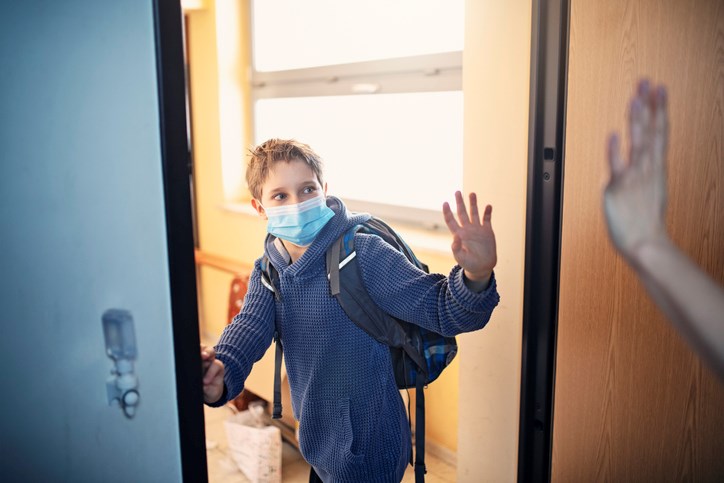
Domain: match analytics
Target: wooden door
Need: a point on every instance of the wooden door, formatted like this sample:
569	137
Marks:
632	401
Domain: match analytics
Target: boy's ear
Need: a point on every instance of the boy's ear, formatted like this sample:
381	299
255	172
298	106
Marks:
325	188
256	204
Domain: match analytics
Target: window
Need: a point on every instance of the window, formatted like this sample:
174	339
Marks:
375	88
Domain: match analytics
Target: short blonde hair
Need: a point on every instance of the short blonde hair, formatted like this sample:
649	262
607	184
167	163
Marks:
267	154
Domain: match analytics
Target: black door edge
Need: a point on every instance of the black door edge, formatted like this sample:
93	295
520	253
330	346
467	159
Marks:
546	142
179	231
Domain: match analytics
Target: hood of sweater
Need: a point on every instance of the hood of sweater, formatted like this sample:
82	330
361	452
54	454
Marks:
336	226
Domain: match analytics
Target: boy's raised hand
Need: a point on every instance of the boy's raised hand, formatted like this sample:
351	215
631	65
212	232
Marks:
212	371
473	243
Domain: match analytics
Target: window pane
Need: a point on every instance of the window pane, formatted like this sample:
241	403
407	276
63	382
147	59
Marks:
292	34
398	149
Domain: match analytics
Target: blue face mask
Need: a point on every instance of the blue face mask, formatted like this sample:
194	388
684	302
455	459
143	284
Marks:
300	223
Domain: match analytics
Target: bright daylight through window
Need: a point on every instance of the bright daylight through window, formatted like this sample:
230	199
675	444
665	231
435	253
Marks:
375	88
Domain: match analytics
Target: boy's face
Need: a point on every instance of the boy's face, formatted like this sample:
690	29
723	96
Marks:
288	183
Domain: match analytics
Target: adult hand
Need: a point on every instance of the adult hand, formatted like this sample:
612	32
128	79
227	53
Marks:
635	198
473	243
212	371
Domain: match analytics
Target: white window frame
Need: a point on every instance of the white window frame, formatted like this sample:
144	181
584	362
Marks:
420	73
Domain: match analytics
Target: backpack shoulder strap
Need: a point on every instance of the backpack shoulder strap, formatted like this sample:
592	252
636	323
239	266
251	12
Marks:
278	353
420	468
269	278
349	289
339	254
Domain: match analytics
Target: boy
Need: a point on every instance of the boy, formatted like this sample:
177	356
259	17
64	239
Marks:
352	421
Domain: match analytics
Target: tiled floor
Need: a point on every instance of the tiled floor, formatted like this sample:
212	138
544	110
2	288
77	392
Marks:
222	468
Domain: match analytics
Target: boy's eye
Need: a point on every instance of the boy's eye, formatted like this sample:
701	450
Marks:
308	189
279	197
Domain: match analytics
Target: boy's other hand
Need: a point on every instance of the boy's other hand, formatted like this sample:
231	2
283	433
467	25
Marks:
473	243
212	371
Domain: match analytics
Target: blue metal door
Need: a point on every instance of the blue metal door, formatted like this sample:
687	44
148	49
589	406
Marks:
91	220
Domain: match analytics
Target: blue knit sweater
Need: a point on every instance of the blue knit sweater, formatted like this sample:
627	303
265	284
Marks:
352	421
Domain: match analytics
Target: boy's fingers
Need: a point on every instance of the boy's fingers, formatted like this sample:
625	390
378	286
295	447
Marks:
205	365
462	211
208	357
449	218
207	353
487	214
474	214
457	244
214	369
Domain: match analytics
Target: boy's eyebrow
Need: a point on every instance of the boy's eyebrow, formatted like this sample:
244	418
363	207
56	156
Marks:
299	185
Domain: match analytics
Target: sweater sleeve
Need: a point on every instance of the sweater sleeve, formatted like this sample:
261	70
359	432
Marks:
442	304
247	338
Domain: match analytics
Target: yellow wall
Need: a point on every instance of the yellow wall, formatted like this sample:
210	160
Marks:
496	84
441	397
496	97
212	75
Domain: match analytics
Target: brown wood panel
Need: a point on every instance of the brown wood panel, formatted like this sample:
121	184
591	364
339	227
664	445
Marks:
632	402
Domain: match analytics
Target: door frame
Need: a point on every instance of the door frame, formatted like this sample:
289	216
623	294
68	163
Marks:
175	158
546	155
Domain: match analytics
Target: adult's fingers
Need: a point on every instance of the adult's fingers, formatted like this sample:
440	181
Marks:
660	126
636	130
615	161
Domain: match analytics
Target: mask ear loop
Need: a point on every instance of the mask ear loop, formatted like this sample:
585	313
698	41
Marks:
259	208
